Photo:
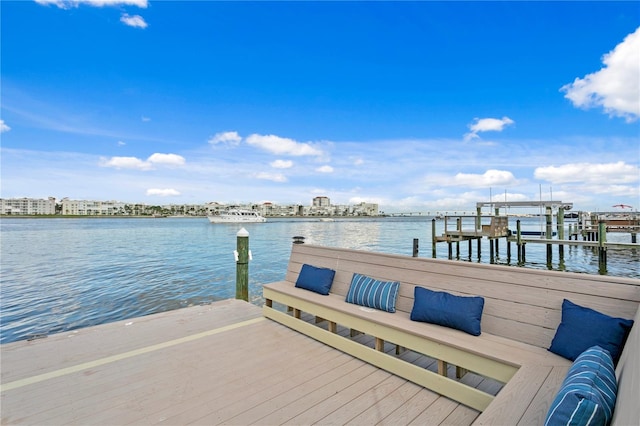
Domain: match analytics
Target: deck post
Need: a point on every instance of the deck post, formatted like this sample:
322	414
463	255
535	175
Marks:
602	249
242	265
549	234
433	238
491	259
560	226
459	229
519	240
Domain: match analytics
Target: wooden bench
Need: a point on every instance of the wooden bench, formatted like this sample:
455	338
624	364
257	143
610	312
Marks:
521	313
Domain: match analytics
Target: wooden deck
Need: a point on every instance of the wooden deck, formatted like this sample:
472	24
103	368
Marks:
216	364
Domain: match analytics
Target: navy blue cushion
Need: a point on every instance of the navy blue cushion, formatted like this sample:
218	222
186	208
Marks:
583	327
588	393
315	279
373	293
438	307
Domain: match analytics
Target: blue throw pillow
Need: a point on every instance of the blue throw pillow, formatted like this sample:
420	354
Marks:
588	393
438	307
315	279
372	293
583	327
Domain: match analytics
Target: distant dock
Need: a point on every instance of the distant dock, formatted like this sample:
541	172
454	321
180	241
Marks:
593	229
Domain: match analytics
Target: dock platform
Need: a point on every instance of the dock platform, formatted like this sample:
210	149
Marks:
222	363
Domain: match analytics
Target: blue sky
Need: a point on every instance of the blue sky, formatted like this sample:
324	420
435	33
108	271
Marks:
418	106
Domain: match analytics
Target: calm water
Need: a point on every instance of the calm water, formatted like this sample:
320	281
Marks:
64	274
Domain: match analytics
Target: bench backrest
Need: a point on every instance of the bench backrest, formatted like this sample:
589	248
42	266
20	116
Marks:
520	304
627	411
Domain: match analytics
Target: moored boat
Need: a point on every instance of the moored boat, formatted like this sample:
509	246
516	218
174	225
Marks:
236	216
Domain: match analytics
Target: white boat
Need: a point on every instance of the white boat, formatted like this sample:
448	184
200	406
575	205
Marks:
237	216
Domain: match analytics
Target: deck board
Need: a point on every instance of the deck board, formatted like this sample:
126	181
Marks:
185	367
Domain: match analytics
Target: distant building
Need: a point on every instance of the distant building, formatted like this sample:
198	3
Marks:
27	206
365	209
321	202
92	208
321	206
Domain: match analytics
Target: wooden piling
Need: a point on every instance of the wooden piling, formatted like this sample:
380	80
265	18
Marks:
242	265
560	228
521	245
433	238
459	229
549	234
415	247
602	250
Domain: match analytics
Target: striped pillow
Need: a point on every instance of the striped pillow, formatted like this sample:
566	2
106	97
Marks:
372	293
588	393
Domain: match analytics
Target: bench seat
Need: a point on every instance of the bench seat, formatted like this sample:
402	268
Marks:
521	313
487	355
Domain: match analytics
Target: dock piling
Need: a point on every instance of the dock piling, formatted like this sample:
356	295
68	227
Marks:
242	265
549	234
433	238
602	249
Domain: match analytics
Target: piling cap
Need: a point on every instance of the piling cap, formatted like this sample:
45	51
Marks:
242	233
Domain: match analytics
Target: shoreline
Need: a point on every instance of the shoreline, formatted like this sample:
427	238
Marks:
42	216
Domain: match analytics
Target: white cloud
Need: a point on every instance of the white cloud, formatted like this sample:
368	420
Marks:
282	146
145	119
168	192
4	127
358	162
167	159
232	138
487	125
138	164
275	177
608	173
121	143
135	21
67	4
487	179
281	164
616	86
325	169
126	163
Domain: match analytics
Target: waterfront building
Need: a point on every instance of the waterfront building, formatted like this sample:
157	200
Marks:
320	206
27	206
93	208
321	202
365	209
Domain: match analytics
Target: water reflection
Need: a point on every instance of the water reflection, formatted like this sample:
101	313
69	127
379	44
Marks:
63	274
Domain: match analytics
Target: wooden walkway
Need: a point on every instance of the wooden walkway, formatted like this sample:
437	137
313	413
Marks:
216	364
